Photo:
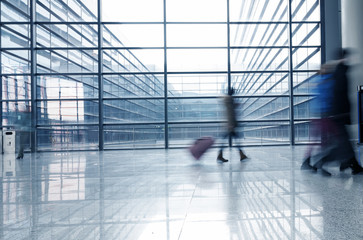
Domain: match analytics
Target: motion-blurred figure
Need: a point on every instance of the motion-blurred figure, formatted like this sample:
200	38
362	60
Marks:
341	149
321	108
230	111
341	115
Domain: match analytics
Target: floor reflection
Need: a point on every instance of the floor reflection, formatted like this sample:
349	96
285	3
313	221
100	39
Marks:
165	194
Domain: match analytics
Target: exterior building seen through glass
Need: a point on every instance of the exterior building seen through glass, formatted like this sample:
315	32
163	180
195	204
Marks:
103	74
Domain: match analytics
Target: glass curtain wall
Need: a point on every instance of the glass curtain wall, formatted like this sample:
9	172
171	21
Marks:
106	74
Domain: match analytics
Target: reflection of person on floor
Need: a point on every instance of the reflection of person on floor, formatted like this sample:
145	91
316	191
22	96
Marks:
23	122
230	111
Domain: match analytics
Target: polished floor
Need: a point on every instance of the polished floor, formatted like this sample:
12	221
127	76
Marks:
165	194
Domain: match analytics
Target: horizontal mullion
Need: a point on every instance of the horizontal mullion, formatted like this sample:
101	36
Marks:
133	123
223	122
64	23
14	48
261	71
132	98
65	99
302	120
14	74
67	74
254	47
67	125
305	22
14	23
303	46
116	22
66	48
304	71
14	100
258	22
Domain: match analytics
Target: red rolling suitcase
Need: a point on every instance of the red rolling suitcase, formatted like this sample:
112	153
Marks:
200	146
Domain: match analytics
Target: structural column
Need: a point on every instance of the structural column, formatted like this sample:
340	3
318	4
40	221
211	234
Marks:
352	37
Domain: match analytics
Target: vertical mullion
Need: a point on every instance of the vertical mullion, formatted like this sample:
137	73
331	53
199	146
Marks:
228	61
33	80
322	31
100	81
166	125
291	82
1	86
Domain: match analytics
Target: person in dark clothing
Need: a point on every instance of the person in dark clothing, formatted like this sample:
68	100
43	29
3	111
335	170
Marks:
321	107
230	108
342	151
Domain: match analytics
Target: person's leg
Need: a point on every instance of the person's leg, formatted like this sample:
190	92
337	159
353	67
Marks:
21	147
220	157
242	155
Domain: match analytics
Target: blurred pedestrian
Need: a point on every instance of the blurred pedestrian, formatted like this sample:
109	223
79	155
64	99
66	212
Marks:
341	149
230	112
341	115
321	108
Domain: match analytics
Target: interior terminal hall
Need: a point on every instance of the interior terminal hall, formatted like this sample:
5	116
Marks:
181	119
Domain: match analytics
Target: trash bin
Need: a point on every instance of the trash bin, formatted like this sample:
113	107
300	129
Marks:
9	141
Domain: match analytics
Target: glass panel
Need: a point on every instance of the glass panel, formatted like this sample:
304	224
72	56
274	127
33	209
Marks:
254	59
196	84
15	62
15	11
67	61
306	108
132	10
306	58
198	109
308	10
139	85
258	10
16	87
259	35
303	83
63	87
60	35
12	111
15	36
197	60
70	11
151	60
306	35
131	111
67	137
196	11
263	108
197	35
134	35
134	136
307	132
183	135
67	112
260	83
263	134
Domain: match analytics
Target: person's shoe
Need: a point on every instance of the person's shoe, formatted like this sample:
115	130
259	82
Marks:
21	156
356	168
344	166
306	165
242	155
220	157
